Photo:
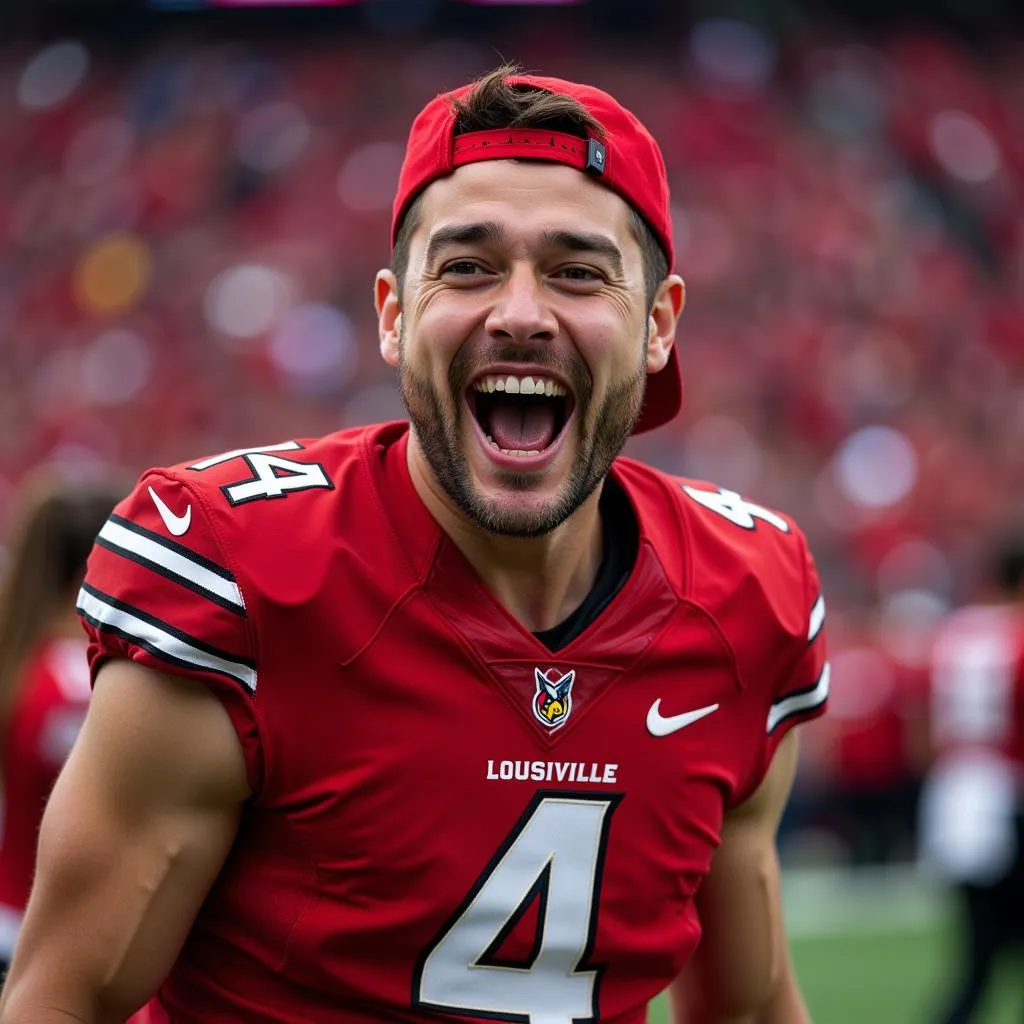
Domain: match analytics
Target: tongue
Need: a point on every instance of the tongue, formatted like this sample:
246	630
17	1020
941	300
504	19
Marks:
522	425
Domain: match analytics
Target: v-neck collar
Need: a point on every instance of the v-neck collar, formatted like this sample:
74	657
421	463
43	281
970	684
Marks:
609	646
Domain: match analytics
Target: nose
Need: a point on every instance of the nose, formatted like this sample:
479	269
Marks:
521	312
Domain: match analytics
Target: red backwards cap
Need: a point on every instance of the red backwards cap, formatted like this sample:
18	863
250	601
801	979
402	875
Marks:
625	158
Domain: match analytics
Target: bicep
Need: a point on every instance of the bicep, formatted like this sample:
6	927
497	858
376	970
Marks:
743	955
137	827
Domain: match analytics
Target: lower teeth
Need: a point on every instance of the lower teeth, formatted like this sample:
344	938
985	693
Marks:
510	451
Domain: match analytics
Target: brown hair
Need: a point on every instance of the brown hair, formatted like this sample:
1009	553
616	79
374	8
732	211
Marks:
53	532
495	103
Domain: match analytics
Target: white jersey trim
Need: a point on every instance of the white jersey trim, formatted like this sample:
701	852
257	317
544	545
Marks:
803	701
160	639
179	565
216	460
817	619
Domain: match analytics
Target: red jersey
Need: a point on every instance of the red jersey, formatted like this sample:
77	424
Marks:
446	816
45	719
877	712
978	682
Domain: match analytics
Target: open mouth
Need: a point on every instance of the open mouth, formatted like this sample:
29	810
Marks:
520	416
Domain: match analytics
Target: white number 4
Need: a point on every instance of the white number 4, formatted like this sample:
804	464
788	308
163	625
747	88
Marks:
553	856
736	508
273	475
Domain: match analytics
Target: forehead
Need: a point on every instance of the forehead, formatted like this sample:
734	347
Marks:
528	198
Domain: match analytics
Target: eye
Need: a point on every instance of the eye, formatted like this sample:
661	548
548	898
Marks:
579	274
463	268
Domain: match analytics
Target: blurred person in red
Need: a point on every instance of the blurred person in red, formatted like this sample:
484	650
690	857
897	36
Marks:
973	802
876	750
44	673
462	717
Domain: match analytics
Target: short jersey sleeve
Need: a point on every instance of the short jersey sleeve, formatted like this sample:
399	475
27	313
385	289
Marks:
797	690
160	591
801	692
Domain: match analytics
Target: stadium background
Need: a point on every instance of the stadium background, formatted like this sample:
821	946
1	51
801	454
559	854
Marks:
193	204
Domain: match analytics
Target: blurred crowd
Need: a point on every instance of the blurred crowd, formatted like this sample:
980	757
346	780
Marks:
188	237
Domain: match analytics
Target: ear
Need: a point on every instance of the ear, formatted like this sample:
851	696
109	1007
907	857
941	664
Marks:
389	315
663	320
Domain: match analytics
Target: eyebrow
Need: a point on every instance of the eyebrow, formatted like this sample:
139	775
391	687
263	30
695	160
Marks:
489	232
461	234
586	242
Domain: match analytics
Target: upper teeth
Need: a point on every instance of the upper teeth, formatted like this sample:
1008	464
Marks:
520	385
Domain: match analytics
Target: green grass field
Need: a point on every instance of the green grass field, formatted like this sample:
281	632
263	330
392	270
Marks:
887	979
895	978
881	952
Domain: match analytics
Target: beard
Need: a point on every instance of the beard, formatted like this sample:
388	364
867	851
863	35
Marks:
438	420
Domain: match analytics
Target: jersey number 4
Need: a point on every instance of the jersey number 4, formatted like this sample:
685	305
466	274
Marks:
736	508
552	857
273	476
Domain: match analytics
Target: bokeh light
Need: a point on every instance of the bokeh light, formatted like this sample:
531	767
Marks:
315	348
964	146
113	274
368	177
116	366
272	136
246	300
53	74
876	467
728	52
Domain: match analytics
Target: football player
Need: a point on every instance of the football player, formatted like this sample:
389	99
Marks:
463	717
973	800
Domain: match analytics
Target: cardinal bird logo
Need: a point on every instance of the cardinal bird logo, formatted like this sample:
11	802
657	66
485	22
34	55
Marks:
553	699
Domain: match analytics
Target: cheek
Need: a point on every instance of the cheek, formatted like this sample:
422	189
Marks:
428	347
611	345
438	330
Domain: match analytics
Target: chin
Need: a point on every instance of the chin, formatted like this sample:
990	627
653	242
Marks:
518	512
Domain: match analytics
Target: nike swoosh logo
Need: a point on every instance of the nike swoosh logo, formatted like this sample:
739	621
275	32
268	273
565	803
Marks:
659	725
176	525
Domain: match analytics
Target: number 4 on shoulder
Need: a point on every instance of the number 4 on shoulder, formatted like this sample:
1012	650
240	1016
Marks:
736	508
273	475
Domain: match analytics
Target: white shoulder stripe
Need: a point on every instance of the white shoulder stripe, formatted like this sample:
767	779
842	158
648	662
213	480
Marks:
216	460
796	703
817	618
173	561
162	642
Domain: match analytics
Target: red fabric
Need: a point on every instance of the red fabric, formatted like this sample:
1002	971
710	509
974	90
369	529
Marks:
45	720
978	682
509	144
393	696
871	753
633	166
878	709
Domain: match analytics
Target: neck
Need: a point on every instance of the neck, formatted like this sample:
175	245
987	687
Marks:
539	580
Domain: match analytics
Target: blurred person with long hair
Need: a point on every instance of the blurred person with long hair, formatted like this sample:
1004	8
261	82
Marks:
44	674
973	802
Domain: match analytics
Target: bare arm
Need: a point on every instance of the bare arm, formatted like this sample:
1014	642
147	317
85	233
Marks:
138	825
742	972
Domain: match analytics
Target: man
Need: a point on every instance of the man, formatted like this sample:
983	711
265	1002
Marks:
447	718
973	802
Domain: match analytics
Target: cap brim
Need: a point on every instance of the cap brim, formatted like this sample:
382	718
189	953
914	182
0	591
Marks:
664	396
